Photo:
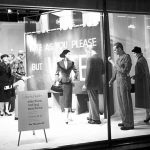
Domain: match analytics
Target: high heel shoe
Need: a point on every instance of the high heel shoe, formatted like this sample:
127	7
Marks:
2	114
147	120
7	114
67	121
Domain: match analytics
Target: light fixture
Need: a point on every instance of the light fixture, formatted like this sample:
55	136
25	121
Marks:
91	19
121	16
131	26
9	11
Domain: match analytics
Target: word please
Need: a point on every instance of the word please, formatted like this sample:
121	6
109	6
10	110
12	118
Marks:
83	43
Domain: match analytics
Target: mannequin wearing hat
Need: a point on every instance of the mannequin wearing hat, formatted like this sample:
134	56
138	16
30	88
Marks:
142	82
63	76
6	82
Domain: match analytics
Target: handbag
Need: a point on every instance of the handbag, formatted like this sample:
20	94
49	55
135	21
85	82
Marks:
132	90
57	88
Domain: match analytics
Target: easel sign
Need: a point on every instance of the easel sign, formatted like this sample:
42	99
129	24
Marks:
33	111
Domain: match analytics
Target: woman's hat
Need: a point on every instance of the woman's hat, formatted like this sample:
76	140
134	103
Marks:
62	55
136	49
4	55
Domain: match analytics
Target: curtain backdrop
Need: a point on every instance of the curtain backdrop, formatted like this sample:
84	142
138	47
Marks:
43	50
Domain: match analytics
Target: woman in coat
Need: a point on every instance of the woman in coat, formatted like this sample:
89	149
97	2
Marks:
63	75
6	83
142	83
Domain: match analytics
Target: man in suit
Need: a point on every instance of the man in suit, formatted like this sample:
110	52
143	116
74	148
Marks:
122	68
94	83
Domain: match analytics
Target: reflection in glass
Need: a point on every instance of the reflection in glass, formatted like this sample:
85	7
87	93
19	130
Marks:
131	30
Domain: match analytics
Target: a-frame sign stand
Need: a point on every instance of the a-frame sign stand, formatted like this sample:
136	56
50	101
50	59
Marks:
33	105
33	134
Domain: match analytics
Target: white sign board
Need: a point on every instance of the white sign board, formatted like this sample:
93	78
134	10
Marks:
33	110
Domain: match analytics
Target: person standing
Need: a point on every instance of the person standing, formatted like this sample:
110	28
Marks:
12	100
122	69
6	84
93	83
63	76
142	82
18	71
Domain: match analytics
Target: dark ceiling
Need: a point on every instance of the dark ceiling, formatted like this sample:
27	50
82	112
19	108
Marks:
18	14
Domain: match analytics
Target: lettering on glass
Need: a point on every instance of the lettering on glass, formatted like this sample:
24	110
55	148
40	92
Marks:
82	67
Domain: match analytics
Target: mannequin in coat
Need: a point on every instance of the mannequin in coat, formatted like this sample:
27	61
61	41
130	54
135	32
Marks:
142	83
63	76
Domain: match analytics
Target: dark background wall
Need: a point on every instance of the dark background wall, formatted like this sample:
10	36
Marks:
113	5
92	4
139	6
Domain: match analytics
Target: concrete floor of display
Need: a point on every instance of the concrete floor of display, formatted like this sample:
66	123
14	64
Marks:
60	134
